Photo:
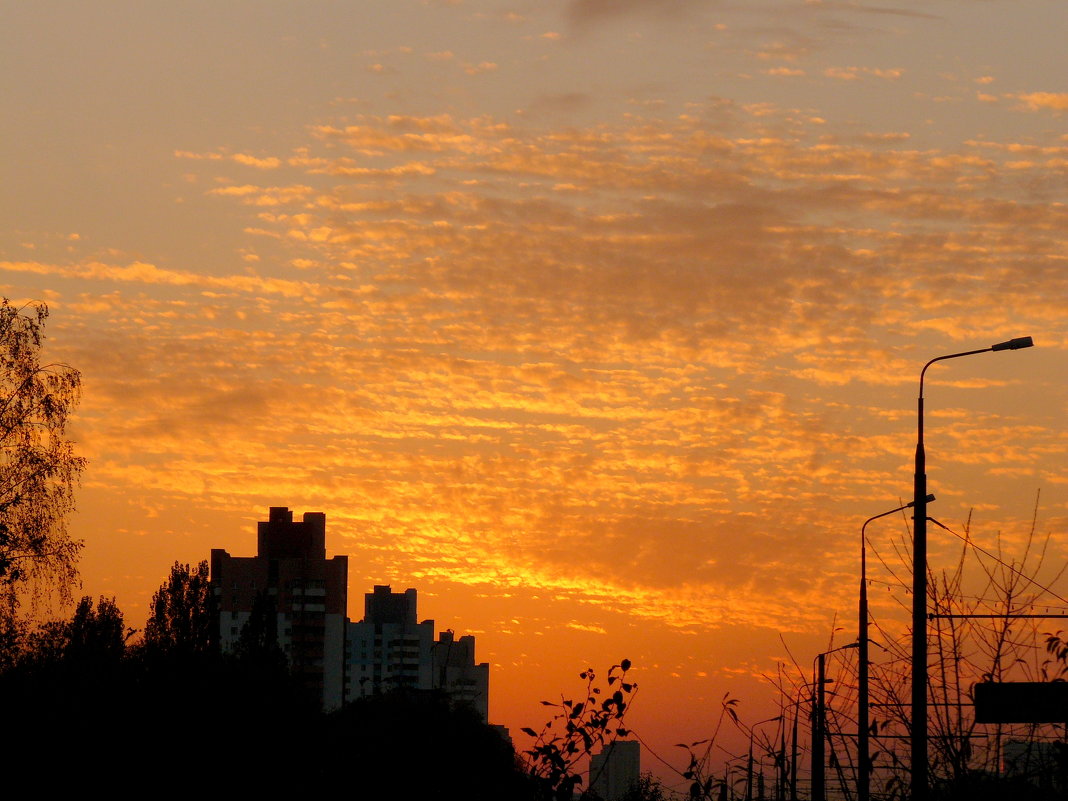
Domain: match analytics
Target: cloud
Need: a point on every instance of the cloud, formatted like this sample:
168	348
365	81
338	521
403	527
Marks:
858	8
480	67
1036	101
269	163
567	102
626	363
265	196
584	12
262	163
150	274
857	73
188	154
790	51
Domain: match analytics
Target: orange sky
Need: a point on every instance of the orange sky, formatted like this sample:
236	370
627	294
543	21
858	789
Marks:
598	323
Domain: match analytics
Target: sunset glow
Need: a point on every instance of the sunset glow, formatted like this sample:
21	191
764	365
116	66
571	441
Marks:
599	323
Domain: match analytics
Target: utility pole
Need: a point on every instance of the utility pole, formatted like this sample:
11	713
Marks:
780	765
819	788
918	738
793	756
863	662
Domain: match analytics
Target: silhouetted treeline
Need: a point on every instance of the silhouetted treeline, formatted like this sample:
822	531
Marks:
88	707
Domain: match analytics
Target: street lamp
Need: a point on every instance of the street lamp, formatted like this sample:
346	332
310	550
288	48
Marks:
819	721
788	765
919	583
749	770
729	769
863	750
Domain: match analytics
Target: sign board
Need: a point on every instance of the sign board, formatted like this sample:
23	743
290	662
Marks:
1021	702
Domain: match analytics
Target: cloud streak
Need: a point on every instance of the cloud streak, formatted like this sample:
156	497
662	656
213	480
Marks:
508	346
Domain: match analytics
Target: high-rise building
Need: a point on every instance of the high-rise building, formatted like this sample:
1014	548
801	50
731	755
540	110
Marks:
455	671
615	770
389	650
302	596
301	593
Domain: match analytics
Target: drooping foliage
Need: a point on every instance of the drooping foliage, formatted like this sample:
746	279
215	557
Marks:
38	468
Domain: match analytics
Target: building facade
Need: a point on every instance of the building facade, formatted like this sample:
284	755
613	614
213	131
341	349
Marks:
301	594
615	770
389	650
454	670
301	598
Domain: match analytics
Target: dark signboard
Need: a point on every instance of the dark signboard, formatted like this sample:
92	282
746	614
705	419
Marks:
1021	702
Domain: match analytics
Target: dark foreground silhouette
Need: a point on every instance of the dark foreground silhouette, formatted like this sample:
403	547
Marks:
85	711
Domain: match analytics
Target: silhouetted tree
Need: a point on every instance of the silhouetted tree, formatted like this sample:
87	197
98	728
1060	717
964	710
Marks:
38	468
264	668
12	638
64	695
86	711
93	639
259	636
648	788
91	713
419	744
183	621
97	635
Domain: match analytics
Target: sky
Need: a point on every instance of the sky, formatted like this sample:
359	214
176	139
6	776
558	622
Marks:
598	322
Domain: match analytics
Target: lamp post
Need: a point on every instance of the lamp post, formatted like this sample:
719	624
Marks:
863	749
749	769
918	739
819	717
793	756
819	722
788	781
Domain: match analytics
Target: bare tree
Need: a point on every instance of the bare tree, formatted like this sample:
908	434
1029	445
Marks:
986	625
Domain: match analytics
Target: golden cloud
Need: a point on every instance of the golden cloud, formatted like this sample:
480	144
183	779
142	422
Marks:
629	363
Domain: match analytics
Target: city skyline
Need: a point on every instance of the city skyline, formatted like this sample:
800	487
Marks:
299	597
600	323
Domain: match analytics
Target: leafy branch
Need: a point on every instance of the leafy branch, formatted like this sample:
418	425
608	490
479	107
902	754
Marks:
576	730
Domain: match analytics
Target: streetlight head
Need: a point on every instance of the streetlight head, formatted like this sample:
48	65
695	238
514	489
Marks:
928	499
1015	344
